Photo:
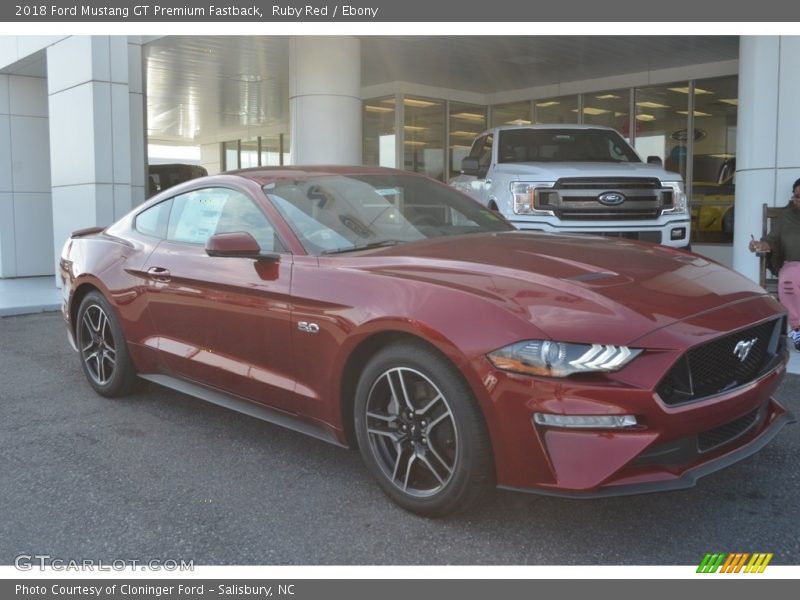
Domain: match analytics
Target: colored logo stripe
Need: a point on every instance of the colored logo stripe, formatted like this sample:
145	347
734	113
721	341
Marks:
734	562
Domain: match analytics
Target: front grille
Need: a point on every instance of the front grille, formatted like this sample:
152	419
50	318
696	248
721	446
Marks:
606	183
724	434
715	367
574	198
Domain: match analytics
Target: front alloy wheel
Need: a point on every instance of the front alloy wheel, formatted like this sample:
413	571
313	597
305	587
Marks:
411	431
420	430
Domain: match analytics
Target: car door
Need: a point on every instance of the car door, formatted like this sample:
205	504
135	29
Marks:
222	321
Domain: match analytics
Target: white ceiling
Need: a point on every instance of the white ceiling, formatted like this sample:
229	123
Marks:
212	87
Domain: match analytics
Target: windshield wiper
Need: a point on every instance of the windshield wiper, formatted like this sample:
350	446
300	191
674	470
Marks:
379	244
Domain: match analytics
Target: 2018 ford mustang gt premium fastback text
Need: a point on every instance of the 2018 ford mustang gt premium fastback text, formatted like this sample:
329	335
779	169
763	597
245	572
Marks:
381	309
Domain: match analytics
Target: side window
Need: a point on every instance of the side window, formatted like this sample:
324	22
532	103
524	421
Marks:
199	214
482	150
241	214
153	221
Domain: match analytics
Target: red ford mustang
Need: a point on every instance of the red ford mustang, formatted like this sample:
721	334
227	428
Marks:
379	308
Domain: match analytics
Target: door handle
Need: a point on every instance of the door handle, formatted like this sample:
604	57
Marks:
159	274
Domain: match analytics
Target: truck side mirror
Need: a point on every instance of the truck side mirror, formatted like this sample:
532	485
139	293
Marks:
471	166
655	160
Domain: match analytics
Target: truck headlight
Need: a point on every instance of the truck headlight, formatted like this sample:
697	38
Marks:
524	198
680	203
560	359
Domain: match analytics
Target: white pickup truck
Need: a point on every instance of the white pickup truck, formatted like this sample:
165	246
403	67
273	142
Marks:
576	178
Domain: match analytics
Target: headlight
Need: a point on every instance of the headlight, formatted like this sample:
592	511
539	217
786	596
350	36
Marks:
524	198
559	359
680	204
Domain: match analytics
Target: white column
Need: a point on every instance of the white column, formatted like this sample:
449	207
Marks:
97	137
26	225
325	100
767	160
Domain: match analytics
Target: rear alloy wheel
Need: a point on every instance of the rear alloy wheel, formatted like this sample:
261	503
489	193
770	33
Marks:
104	353
420	431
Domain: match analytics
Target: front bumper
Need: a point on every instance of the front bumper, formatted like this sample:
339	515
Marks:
664	477
673	233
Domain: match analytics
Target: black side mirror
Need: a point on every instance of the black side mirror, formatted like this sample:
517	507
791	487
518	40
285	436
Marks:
655	160
471	166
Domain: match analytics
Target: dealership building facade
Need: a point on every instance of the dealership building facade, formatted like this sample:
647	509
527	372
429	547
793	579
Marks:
82	116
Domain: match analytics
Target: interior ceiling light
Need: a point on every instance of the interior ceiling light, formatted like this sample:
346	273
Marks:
731	101
410	143
518	122
608	97
697	113
414	128
418	103
547	103
590	110
685	90
460	146
645	117
378	109
723	155
620	114
468	116
459	133
648	104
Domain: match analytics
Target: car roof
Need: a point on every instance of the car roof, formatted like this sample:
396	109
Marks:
264	175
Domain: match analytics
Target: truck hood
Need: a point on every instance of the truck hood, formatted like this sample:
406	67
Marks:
540	171
572	288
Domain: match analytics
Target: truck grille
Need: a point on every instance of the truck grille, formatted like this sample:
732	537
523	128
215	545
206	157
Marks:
579	198
715	367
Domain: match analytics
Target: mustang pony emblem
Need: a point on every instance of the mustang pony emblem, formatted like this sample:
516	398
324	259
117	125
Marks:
742	349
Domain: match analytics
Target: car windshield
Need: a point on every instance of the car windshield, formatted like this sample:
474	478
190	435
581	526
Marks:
341	213
563	145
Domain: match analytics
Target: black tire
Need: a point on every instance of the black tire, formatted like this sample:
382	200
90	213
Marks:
436	460
104	353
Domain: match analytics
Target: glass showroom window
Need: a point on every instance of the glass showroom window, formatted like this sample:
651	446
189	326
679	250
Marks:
662	117
516	113
557	110
271	151
609	109
467	121
248	153
423	136
286	147
380	142
714	159
230	155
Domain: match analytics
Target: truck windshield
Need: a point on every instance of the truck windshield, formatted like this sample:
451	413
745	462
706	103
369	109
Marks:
563	145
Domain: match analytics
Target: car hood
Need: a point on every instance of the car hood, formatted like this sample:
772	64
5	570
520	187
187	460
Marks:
570	287
541	171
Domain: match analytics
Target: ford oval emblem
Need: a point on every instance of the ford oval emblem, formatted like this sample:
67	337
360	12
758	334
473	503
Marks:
611	198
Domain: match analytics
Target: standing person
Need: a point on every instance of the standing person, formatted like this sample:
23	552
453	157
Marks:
783	243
